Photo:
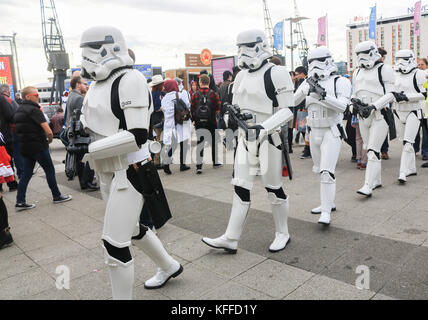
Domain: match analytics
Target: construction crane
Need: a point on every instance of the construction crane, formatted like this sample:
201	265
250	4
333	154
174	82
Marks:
53	43
301	44
268	26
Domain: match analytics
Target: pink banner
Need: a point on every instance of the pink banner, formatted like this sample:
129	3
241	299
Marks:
418	6
322	31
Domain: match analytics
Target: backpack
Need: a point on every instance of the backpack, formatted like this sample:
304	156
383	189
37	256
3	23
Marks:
181	112
203	110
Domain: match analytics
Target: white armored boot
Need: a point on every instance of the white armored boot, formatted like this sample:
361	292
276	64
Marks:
408	163
328	192
280	210
121	277
167	267
373	176
229	241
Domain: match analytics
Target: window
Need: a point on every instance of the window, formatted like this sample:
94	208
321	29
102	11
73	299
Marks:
366	33
350	51
412	36
382	37
360	36
400	37
394	42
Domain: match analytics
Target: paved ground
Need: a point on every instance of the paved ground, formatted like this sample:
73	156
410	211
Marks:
388	234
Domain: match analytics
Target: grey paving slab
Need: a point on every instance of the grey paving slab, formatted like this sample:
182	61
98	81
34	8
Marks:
91	240
345	269
142	294
38	240
14	265
234	291
79	265
53	294
93	286
404	287
323	288
170	233
189	248
382	297
226	265
192	283
25	284
56	251
274	278
9	252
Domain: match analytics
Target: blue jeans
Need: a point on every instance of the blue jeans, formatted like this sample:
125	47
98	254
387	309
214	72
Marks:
385	146
45	161
17	157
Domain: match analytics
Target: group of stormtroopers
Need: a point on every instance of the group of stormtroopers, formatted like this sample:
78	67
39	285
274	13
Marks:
117	111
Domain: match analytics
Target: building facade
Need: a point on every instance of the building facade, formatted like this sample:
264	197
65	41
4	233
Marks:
392	34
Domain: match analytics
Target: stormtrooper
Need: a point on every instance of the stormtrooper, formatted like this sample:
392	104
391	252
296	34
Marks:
259	89
373	84
327	96
409	82
116	113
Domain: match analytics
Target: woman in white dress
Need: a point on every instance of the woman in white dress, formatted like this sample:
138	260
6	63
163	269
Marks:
174	133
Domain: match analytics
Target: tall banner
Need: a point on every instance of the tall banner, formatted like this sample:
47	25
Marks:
278	36
322	31
7	74
373	23
418	7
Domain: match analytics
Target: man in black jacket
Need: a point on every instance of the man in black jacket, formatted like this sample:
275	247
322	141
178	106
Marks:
75	103
35	136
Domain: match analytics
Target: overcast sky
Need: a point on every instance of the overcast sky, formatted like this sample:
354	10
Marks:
161	31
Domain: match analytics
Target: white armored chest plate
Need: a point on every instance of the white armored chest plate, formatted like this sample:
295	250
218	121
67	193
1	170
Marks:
319	115
367	86
249	93
97	110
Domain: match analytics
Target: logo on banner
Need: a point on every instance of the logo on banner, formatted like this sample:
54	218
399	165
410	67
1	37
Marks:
206	57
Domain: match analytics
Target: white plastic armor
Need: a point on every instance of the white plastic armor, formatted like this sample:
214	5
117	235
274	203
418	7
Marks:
104	50
405	61
250	94
408	113
328	112
321	63
105	58
325	114
369	89
404	83
253	49
367	54
260	157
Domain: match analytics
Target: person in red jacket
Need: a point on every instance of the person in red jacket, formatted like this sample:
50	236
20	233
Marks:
205	107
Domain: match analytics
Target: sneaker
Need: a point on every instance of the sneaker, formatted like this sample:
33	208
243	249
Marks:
183	168
354	159
425	158
217	166
62	199
363	166
425	165
198	171
385	156
167	170
306	154
5	238
24	206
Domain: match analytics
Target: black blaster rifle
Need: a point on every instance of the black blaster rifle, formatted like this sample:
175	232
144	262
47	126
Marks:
78	142
315	87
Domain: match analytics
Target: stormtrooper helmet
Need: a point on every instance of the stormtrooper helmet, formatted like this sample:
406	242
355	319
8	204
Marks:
405	61
104	50
253	49
321	63
367	54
